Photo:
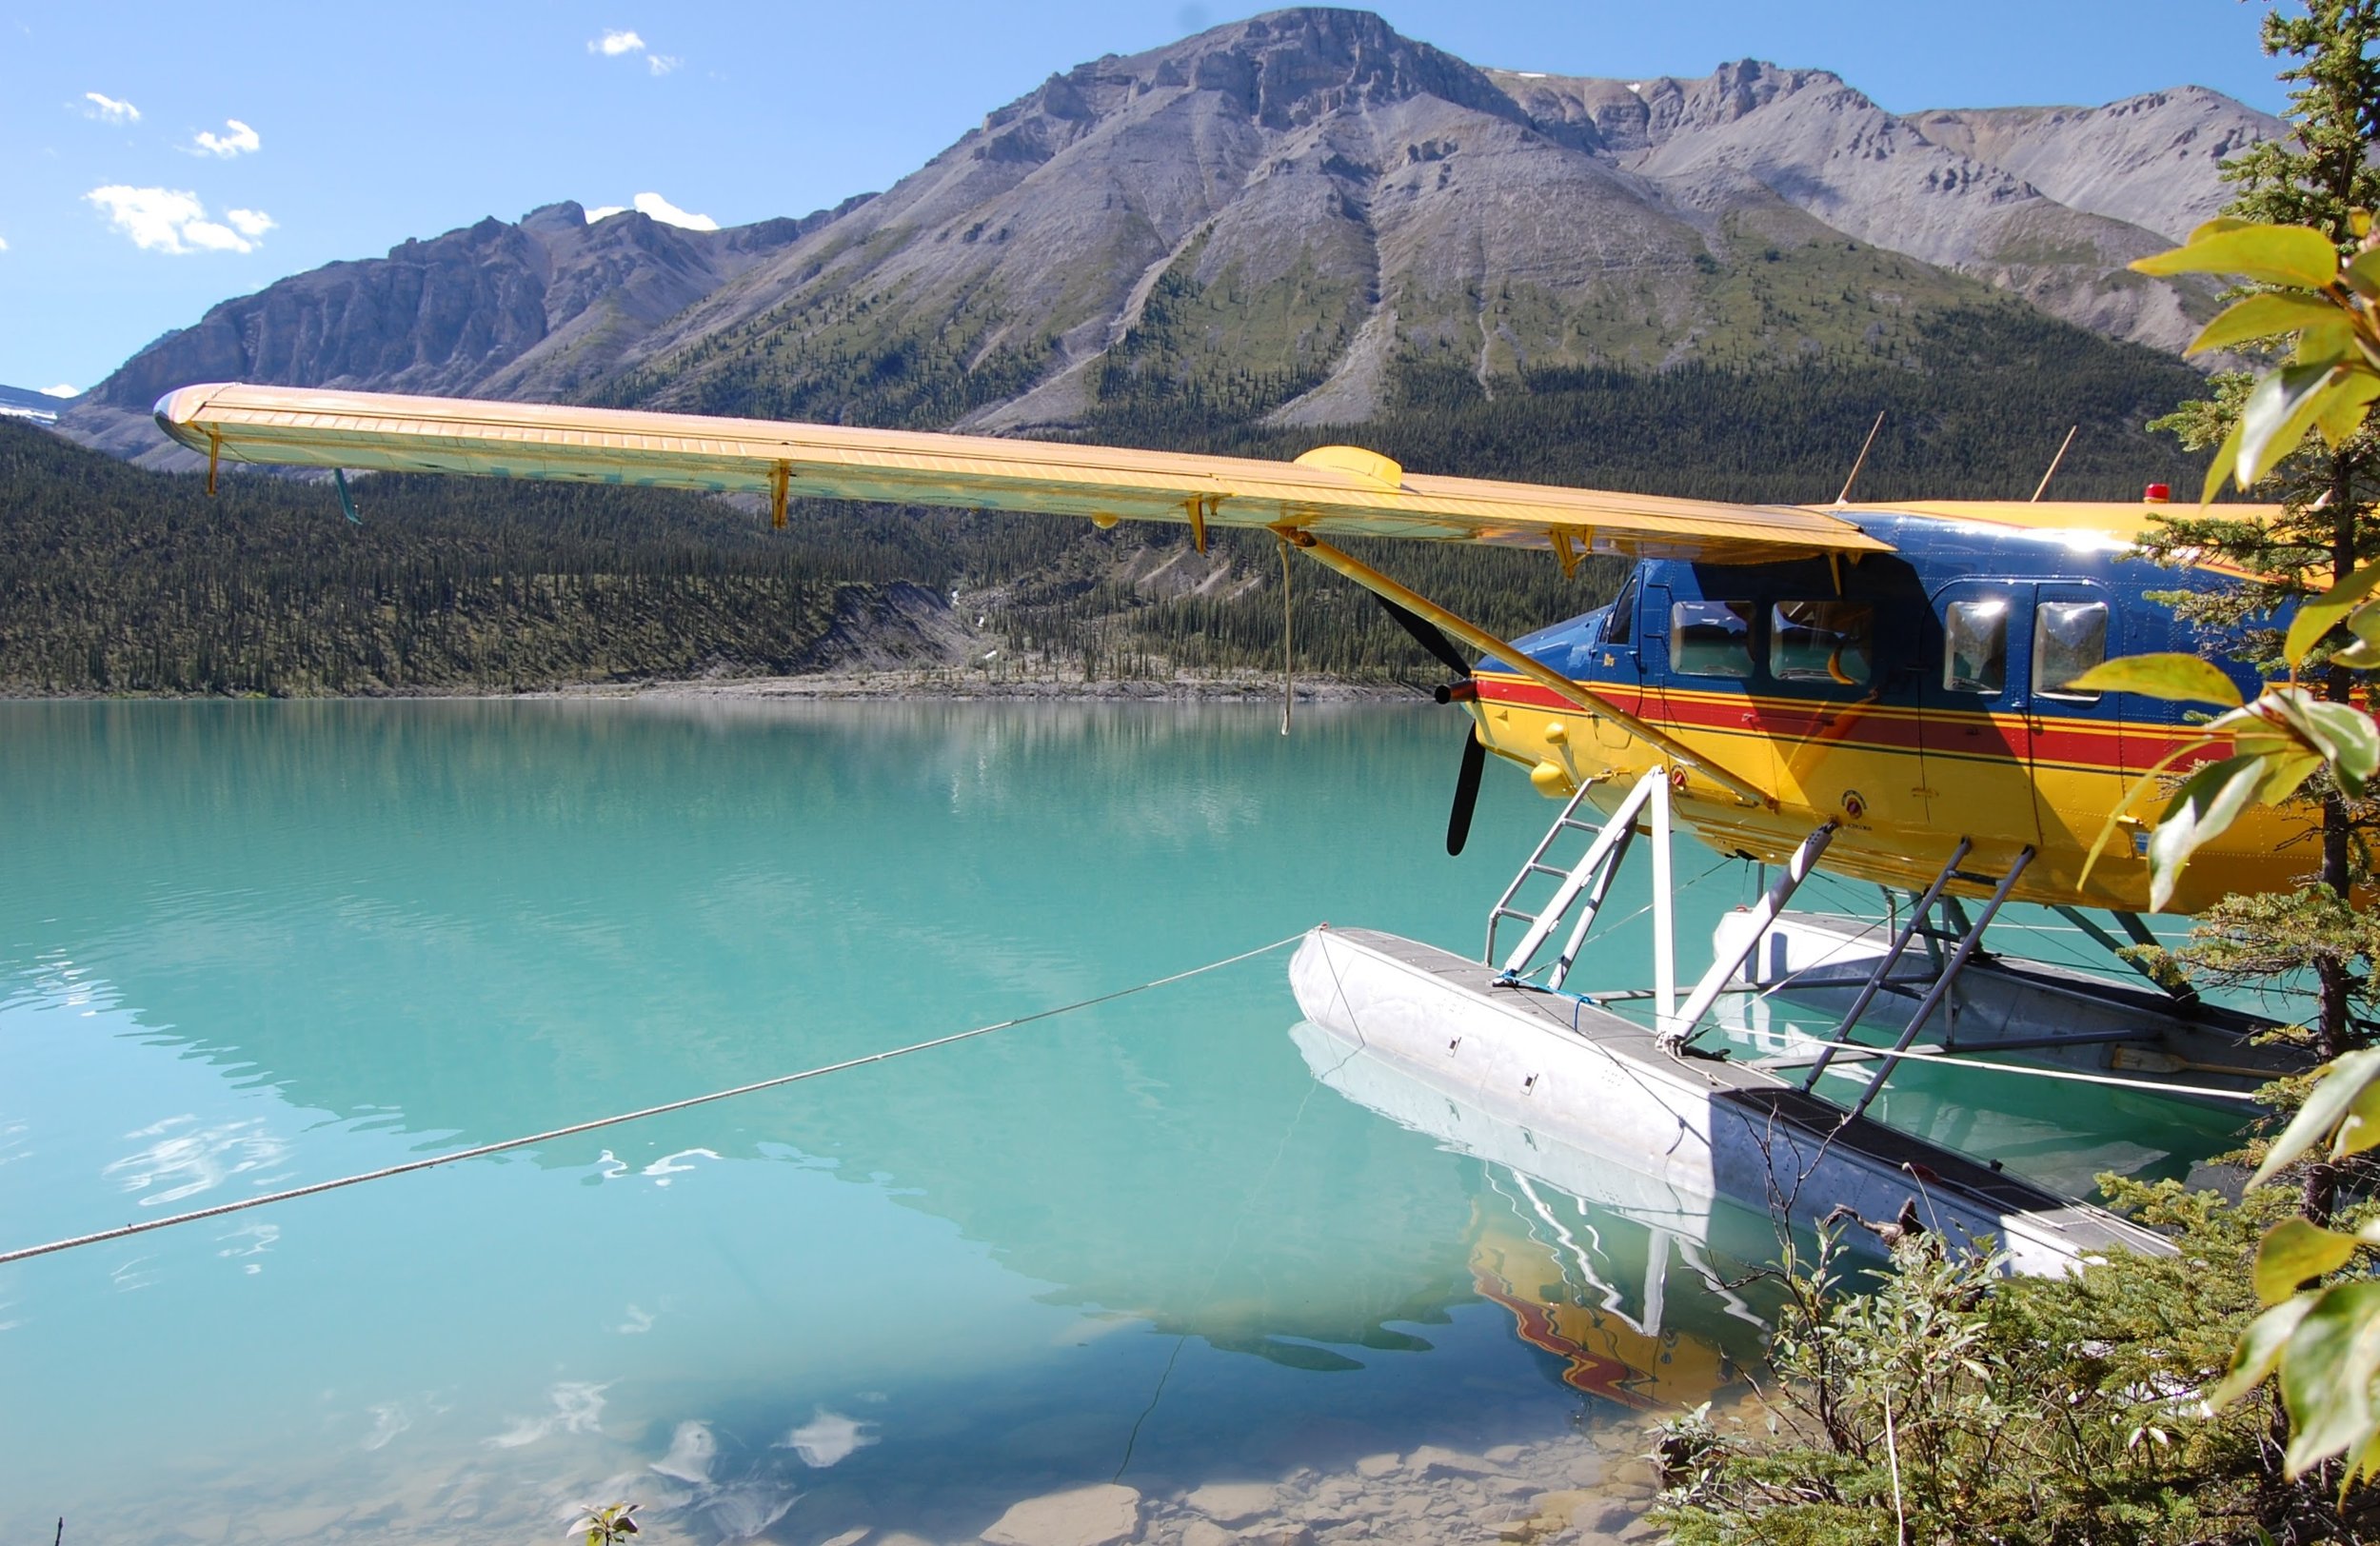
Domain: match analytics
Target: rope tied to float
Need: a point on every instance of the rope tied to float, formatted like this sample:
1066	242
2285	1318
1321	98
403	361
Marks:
478	1151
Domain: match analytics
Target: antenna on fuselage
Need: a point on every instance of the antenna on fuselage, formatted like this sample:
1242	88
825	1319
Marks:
1865	447
2054	462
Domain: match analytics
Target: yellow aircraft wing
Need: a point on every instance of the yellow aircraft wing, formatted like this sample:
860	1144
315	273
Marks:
1332	491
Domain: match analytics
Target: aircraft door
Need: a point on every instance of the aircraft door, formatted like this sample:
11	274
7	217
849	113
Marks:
1619	664
1973	731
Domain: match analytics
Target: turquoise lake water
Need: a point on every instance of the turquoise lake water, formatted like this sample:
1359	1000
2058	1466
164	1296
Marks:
249	945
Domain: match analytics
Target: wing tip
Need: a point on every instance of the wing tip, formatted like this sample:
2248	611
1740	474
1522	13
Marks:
176	412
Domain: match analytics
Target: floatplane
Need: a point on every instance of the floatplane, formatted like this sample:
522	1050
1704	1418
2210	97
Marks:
1880	692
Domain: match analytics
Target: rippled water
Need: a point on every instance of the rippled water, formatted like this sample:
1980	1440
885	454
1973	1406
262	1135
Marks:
243	946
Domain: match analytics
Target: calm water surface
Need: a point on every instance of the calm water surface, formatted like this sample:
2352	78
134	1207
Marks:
243	946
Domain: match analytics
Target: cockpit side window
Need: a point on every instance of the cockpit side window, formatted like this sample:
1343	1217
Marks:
1621	627
1974	650
1822	641
1711	639
2069	637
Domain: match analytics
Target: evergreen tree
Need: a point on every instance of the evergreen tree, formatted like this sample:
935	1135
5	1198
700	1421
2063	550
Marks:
2322	176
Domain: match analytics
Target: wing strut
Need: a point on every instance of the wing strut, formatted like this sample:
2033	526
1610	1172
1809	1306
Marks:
1544	676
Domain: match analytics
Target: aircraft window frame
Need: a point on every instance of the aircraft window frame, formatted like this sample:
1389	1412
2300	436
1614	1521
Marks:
1701	653
1620	624
1852	627
2082	651
1991	680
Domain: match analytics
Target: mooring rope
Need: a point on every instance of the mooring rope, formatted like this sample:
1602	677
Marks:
2028	1071
431	1162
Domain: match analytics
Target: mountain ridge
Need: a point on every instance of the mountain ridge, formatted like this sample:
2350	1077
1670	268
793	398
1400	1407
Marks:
1277	220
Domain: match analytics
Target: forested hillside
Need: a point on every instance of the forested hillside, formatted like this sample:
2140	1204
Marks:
115	578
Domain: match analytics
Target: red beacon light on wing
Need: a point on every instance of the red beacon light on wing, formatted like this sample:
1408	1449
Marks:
2155	494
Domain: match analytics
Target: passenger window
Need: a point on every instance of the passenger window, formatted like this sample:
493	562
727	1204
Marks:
2069	637
1711	637
1974	650
1821	641
1619	628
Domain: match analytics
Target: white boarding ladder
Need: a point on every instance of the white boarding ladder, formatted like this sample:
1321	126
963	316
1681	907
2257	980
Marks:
1584	886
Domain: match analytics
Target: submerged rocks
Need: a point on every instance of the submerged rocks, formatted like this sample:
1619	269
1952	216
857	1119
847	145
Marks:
1085	1516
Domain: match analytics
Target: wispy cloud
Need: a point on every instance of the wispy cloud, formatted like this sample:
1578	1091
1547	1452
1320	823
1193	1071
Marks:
625	44
239	142
669	214
4	243
109	109
170	219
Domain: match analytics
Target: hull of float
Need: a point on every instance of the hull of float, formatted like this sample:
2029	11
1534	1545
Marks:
1690	1128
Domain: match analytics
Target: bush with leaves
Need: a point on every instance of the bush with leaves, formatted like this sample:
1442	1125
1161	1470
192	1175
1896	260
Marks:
2323	1341
1953	1405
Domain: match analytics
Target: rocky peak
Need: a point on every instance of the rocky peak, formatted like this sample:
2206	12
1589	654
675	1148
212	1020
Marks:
1281	71
1727	93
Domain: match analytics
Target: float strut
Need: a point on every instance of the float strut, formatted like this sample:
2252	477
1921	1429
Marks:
1706	993
1917	916
1941	989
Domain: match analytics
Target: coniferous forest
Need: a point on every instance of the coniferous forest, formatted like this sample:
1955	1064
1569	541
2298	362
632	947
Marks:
117	580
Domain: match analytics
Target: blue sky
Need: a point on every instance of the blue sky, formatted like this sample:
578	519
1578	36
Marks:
156	159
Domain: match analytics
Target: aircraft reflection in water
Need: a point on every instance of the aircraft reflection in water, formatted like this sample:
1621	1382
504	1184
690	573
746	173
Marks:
1649	1293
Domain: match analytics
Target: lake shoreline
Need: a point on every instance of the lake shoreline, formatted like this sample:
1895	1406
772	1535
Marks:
1248	687
919	684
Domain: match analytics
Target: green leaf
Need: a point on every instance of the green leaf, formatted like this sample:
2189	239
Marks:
2331	343
2281	407
2359	656
2345	736
2294	255
2200	810
2138	792
2293	1251
2260	1348
2316	618
2363	274
2218	226
2284	774
2348	1075
2360	1130
2326	1372
2265	315
2184	678
2344	410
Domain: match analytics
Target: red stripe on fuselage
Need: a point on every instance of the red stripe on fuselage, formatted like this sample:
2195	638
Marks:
2108	746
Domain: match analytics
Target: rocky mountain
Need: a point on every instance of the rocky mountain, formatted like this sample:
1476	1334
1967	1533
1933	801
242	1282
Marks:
1284	220
534	309
40	407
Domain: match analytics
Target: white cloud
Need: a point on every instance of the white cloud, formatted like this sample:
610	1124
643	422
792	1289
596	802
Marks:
62	391
169	220
4	243
625	44
239	142
669	214
109	109
605	213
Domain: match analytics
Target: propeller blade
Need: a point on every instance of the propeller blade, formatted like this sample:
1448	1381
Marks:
1466	792
1426	634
